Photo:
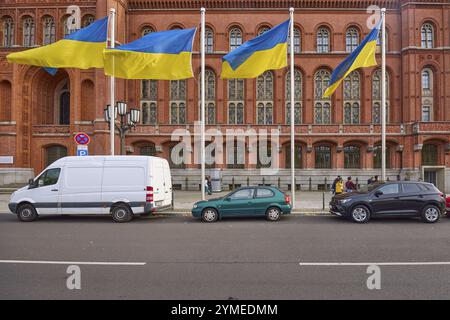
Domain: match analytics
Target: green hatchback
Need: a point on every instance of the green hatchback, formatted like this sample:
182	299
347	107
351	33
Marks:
267	202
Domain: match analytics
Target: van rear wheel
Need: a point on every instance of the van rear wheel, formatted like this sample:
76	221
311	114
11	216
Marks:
27	213
122	213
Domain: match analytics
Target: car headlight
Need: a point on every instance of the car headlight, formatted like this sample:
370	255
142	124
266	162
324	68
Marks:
195	206
345	201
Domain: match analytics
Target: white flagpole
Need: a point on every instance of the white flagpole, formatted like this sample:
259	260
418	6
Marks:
112	103
202	104
292	115
383	95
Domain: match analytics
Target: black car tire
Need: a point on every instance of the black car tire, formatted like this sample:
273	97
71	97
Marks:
121	213
210	215
431	214
273	214
360	214
27	213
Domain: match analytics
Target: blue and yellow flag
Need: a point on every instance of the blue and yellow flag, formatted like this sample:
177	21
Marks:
165	55
82	49
362	56
265	52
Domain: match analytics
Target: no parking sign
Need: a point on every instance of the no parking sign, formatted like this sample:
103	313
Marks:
82	140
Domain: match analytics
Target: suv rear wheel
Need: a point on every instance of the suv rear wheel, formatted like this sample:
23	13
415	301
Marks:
431	214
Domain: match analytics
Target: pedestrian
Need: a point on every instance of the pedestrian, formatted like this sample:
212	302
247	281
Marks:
206	186
339	187
371	180
350	186
333	186
209	185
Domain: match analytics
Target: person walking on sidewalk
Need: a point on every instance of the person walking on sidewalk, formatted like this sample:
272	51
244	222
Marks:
339	186
333	186
349	185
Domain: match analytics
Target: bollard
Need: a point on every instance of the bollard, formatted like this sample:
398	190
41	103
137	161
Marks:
279	182
232	183
187	184
248	181
264	181
310	184
323	201
326	183
357	183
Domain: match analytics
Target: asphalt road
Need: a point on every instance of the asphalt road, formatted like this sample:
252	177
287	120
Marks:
239	259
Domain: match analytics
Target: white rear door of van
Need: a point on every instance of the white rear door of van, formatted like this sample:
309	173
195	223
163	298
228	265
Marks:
157	181
167	184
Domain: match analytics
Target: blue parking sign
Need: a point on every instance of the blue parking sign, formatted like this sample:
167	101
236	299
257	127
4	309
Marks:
82	151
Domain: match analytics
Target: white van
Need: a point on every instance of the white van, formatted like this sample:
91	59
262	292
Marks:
120	186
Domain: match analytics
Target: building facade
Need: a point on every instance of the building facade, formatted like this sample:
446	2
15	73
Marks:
40	113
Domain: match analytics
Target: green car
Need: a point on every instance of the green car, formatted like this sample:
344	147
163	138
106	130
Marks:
267	202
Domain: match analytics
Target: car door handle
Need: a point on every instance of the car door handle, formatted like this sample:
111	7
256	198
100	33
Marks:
54	190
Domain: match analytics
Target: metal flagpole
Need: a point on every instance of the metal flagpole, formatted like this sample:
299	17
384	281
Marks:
202	104
383	94
112	119
291	13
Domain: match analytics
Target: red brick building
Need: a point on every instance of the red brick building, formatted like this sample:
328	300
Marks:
40	113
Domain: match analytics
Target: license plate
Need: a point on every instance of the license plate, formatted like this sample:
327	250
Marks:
158	203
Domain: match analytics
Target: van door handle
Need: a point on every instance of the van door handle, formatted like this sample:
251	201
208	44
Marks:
54	190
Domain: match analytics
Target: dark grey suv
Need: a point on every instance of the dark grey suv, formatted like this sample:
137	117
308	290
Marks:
400	199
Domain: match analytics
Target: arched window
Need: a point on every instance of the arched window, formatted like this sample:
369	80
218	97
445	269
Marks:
49	34
298	97
352	157
8	32
210	96
427	95
323	157
352	93
63	99
54	153
377	157
427	36
87	20
235	38
263	30
297	154
146	30
376	97
297	41
264	98
209	40
351	39
323	40
28	32
148	150
149	99
5	100
178	101
236	101
322	106
429	155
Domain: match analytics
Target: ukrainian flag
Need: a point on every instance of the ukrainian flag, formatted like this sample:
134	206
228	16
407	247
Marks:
265	52
165	55
362	56
82	49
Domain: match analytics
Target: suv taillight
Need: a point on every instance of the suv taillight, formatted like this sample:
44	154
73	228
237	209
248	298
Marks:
149	195
287	199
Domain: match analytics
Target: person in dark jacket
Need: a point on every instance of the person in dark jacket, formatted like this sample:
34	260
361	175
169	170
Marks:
349	185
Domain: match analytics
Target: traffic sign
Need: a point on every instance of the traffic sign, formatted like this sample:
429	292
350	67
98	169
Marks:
82	151
82	139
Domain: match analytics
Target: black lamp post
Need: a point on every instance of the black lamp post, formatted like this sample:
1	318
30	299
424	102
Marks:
128	121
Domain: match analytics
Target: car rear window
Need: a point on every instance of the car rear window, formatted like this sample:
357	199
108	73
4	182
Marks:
411	188
264	193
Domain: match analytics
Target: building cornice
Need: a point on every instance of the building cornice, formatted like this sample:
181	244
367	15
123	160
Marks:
269	4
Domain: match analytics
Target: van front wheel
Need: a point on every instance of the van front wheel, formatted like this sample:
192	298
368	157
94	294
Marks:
27	213
121	213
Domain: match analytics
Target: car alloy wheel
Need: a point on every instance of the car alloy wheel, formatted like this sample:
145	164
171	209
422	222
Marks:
273	214
431	214
209	215
360	214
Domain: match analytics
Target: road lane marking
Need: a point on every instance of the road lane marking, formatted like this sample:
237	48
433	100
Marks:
350	264
92	263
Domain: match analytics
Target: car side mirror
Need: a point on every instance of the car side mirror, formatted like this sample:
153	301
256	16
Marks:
31	183
228	199
378	193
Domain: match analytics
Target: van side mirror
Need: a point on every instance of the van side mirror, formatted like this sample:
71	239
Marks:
31	183
378	193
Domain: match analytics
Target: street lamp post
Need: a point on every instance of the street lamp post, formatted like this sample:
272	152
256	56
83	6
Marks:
128	121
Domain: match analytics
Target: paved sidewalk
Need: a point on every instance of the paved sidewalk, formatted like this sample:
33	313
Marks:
306	202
